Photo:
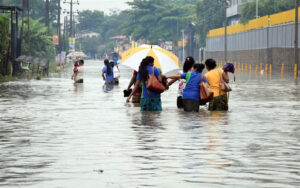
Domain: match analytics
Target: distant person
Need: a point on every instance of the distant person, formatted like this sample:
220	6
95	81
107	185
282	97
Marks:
116	71
228	67
78	71
187	67
136	97
107	73
214	77
150	100
191	92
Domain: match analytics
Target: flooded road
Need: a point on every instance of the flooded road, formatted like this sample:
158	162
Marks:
56	134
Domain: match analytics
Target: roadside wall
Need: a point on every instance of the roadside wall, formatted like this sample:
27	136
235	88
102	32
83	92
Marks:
267	40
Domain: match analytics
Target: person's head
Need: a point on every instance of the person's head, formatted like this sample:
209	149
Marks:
143	67
188	63
198	67
150	60
76	63
108	67
210	64
112	64
229	67
81	62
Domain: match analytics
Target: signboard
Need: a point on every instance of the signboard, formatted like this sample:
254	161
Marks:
72	41
180	43
55	39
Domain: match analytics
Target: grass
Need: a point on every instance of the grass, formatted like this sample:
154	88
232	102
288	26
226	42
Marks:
7	78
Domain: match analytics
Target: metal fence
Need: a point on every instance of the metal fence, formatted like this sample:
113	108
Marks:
279	36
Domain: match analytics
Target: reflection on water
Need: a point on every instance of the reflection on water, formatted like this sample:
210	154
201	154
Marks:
55	133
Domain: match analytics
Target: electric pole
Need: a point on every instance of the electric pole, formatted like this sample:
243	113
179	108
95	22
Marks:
256	15
59	26
47	15
296	36
225	33
72	3
183	44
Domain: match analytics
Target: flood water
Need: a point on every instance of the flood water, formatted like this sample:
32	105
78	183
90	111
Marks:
54	134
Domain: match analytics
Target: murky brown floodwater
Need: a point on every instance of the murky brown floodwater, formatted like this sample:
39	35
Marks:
55	134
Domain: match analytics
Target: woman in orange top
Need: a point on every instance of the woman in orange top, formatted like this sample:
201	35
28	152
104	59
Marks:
213	76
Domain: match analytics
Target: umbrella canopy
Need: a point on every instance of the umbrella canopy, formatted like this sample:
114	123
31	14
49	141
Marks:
76	55
164	60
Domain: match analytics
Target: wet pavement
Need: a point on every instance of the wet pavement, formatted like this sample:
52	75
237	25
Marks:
57	134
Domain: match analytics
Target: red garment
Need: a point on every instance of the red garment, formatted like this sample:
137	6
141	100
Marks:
139	90
135	73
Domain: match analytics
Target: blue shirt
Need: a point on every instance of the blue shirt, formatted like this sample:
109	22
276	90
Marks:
192	88
145	91
115	59
108	77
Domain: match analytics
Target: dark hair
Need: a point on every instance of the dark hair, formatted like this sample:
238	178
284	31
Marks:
188	63
112	64
108	67
199	67
81	61
210	63
143	68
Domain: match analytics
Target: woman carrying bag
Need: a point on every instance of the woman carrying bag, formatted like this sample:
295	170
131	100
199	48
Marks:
187	67
218	81
191	92
150	99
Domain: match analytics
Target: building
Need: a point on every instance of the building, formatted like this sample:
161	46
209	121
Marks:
234	10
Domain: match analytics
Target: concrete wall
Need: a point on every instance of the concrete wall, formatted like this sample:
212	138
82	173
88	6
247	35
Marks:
274	56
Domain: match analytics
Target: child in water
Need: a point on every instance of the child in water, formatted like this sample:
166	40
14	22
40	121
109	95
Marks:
78	71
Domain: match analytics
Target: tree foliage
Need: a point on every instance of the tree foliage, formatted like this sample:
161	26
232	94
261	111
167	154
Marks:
210	15
158	19
40	43
106	26
37	9
265	7
4	44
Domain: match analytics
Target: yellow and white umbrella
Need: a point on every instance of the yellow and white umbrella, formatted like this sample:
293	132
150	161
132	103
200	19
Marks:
164	60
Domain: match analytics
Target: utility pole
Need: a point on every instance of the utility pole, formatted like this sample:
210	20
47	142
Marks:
256	15
47	15
296	36
225	34
65	32
59	26
28	27
72	3
183	44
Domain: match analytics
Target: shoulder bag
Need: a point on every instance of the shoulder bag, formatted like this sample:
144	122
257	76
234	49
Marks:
205	94
223	85
154	84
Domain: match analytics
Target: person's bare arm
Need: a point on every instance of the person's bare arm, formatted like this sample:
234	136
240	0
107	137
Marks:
132	81
174	77
172	82
138	82
225	77
103	76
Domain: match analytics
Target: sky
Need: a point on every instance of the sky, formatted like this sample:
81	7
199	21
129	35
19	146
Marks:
103	5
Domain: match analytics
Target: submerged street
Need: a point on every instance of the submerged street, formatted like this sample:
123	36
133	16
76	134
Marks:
57	134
